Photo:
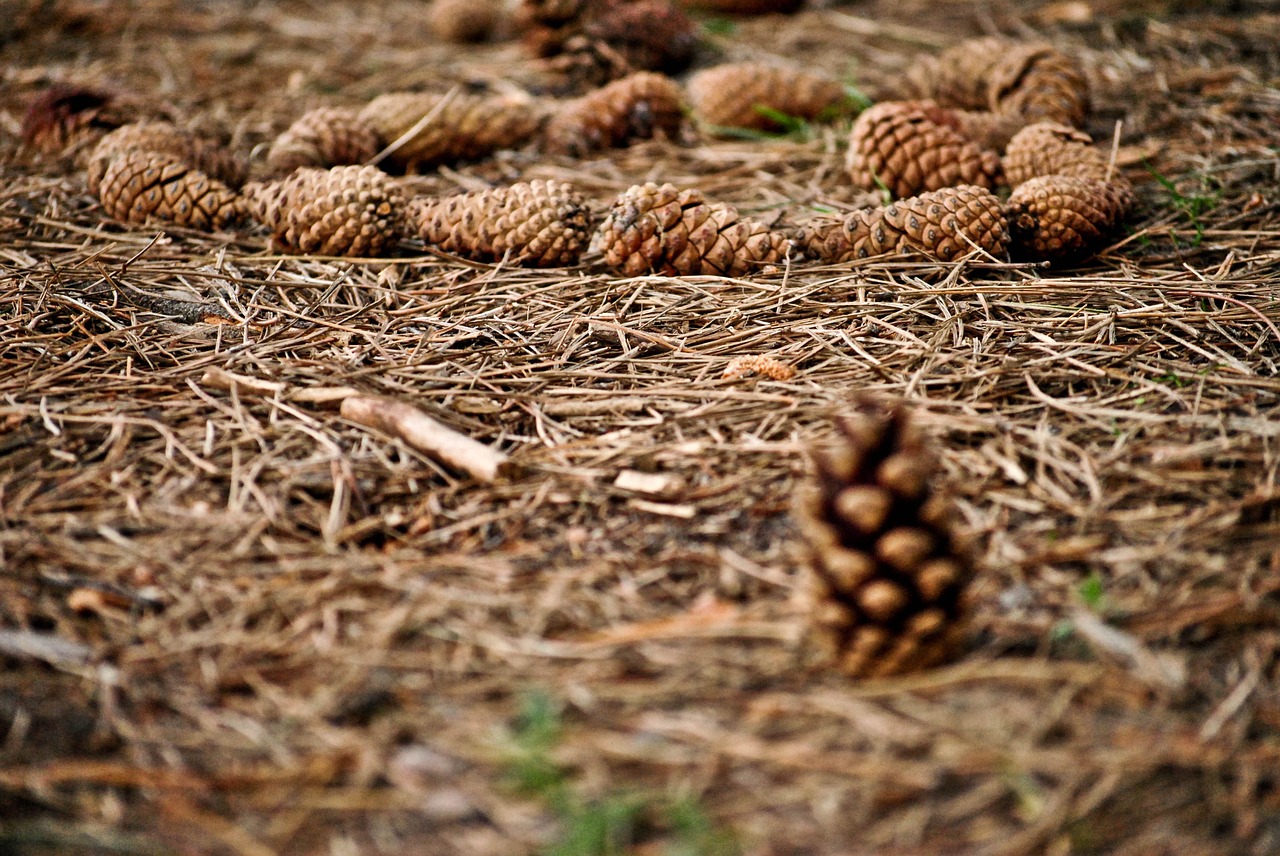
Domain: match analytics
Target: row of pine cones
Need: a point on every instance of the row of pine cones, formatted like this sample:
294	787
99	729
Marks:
990	112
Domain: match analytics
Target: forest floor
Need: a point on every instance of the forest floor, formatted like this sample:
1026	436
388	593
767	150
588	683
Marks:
232	622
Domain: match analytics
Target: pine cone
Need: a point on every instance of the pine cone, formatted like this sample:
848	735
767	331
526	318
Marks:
1047	148
66	117
586	64
1040	83
163	138
139	185
896	145
888	572
640	106
458	126
1035	81
342	211
1063	218
653	35
464	21
943	225
670	232
959	76
745	7
733	95
536	223
324	137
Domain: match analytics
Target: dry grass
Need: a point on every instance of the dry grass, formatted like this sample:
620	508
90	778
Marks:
296	635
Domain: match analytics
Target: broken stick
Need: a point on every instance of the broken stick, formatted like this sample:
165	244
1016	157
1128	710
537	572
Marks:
425	434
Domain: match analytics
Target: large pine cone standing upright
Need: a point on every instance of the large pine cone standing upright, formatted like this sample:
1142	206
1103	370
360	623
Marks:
137	186
425	128
640	106
536	223
342	211
942	225
1062	218
741	95
658	229
324	137
896	145
888	570
164	138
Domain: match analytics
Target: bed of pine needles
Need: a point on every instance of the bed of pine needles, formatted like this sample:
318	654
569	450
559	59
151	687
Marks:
232	623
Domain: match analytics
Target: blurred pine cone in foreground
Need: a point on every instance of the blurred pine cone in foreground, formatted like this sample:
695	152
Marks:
888	573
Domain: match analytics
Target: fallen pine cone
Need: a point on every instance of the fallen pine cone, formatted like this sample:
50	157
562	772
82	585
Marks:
464	21
640	106
137	186
164	138
751	94
341	211
888	571
1048	148
536	223
68	117
658	229
1060	218
649	35
423	129
895	145
324	137
942	225
1035	81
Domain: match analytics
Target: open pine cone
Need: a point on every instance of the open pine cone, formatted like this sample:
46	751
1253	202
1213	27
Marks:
536	223
163	138
658	229
324	137
888	570
427	128
640	106
342	211
942	225
1048	148
137	186
896	145
1032	80
743	94
1064	218
68	117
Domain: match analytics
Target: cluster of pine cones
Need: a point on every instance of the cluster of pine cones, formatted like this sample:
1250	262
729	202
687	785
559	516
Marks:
889	575
983	115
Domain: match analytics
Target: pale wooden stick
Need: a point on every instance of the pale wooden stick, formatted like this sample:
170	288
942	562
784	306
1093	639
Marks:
426	435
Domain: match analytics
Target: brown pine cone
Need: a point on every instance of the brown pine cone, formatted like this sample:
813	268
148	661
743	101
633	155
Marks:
1040	83
653	35
536	223
164	138
341	211
942	225
640	106
658	229
67	116
324	137
464	21
895	145
888	572
139	185
1059	218
958	77
1047	148
1035	81
431	128
741	95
